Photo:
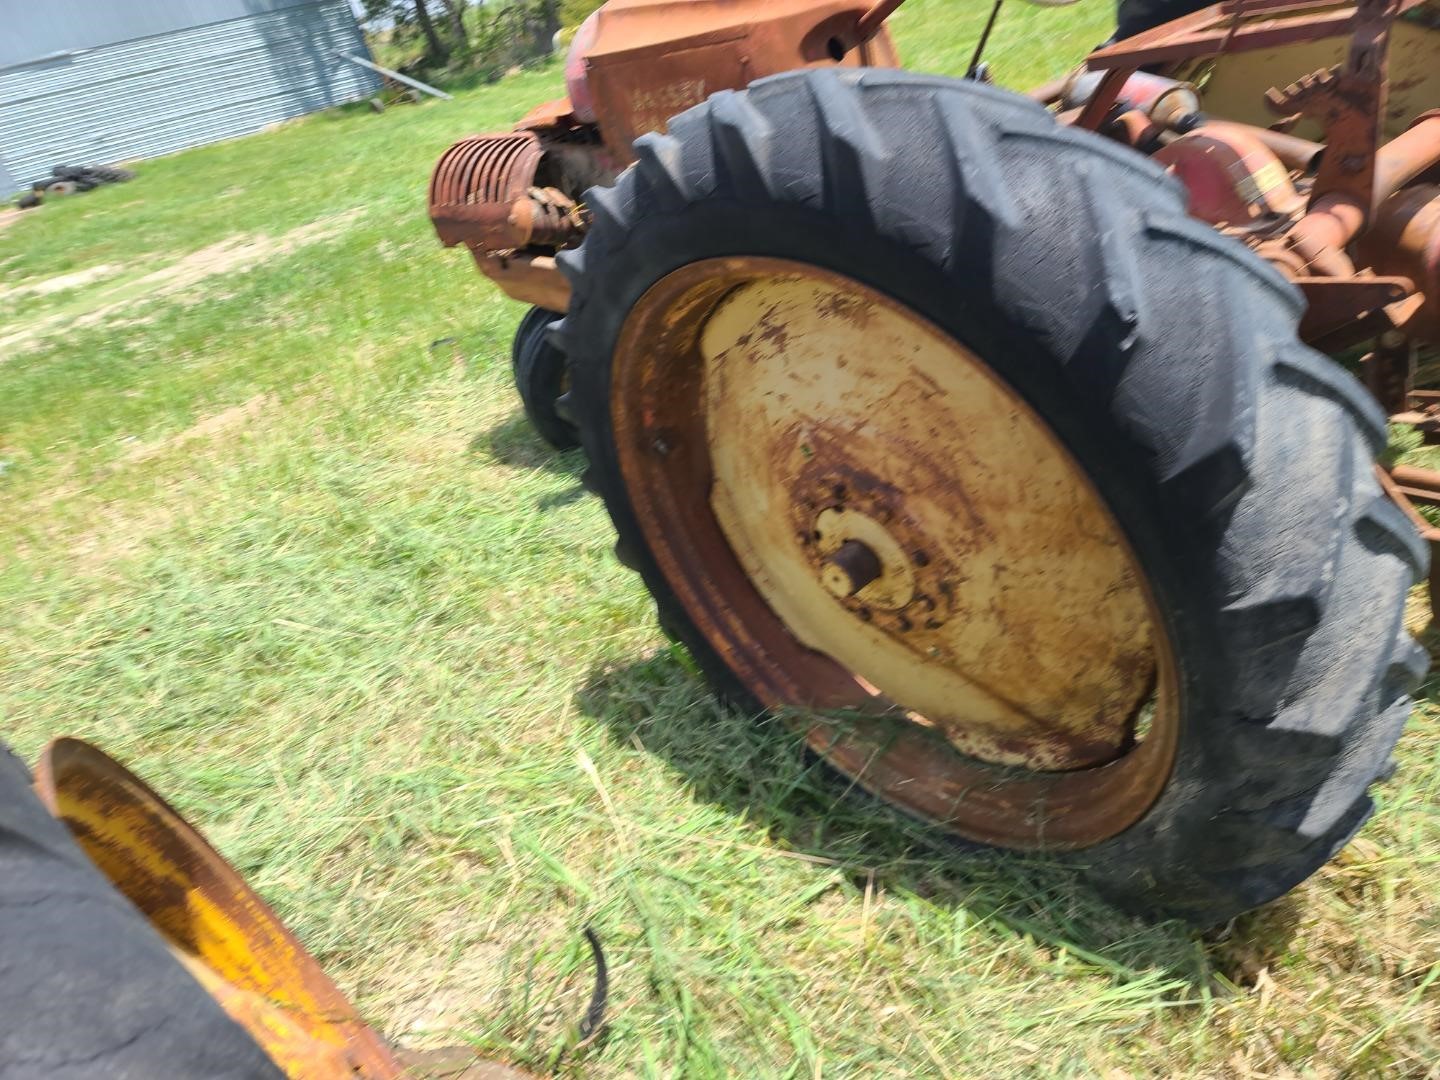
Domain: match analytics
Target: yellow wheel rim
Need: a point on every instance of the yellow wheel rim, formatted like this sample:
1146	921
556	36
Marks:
862	517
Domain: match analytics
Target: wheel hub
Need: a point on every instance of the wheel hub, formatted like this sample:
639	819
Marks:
860	563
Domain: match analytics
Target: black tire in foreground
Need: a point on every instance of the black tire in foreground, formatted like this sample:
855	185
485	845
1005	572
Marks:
88	989
540	378
1237	461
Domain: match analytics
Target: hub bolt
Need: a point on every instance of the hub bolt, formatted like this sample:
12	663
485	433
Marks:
853	566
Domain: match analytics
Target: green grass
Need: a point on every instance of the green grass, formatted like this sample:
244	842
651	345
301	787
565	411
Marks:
282	541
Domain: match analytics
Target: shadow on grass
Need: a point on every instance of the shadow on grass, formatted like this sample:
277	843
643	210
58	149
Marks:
756	769
514	442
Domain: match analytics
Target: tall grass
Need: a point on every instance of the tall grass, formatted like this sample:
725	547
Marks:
283	542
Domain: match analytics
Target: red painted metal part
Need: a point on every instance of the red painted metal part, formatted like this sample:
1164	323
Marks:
641	61
577	85
1405	240
1136	129
1294	152
1408	156
476	182
652	59
1367	251
1232	177
1349	101
1337	218
511	197
483	195
1157	97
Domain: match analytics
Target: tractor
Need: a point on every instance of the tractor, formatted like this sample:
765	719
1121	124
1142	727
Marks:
1003	445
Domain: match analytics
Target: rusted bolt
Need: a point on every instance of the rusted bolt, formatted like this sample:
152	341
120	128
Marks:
853	566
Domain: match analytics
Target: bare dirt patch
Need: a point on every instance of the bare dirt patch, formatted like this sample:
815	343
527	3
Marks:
235	253
60	282
231	255
208	428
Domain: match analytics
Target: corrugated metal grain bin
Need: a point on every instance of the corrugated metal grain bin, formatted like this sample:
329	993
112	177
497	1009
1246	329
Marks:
86	82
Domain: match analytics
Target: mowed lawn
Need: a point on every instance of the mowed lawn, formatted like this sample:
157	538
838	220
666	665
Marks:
275	533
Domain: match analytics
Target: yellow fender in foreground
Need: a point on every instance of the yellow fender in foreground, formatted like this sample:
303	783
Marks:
216	925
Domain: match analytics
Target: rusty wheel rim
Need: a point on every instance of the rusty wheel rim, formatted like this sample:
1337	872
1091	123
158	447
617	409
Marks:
828	483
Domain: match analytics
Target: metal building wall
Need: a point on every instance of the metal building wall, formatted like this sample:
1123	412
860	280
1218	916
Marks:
94	81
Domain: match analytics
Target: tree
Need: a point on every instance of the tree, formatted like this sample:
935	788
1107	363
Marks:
497	36
542	23
435	49
404	16
455	12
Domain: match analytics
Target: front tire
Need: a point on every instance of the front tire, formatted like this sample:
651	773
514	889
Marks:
1235	464
540	378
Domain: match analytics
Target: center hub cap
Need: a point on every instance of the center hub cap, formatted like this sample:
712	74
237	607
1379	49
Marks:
860	561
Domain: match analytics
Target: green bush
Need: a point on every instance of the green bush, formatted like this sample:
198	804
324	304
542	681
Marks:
573	12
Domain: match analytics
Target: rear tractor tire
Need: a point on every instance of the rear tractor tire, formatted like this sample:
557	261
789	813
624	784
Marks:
943	431
540	378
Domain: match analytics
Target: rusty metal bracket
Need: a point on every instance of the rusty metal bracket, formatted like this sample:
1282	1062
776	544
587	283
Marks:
1422	413
870	23
1407	486
1333	303
530	278
1103	99
1389	371
1348	101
